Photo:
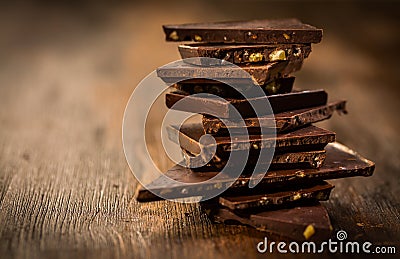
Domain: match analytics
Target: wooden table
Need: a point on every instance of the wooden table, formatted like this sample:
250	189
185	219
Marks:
65	77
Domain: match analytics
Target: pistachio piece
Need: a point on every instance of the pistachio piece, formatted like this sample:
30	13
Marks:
197	38
286	36
227	56
272	90
320	196
256	57
251	35
309	232
218	185
272	87
173	35
296	196
262	202
245	54
300	174
317	162
276	55
297	52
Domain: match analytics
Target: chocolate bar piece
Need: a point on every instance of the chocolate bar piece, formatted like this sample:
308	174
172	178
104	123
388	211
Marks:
223	108
278	86
299	149
255	31
320	192
242	54
309	222
304	139
230	74
302	159
340	162
284	121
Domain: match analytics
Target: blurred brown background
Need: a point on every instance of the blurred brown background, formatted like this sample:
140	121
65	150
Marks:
67	71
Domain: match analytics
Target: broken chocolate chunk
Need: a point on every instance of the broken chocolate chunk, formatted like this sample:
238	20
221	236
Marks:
218	54
284	121
306	222
340	162
226	108
254	31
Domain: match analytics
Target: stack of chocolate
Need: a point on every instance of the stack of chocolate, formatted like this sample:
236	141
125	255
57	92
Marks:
286	200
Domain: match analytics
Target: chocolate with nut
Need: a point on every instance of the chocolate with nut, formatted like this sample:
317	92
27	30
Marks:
306	222
340	162
274	199
303	140
278	86
282	122
229	74
224	108
219	54
300	159
255	31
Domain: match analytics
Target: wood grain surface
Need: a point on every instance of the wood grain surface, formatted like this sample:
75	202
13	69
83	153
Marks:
66	73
